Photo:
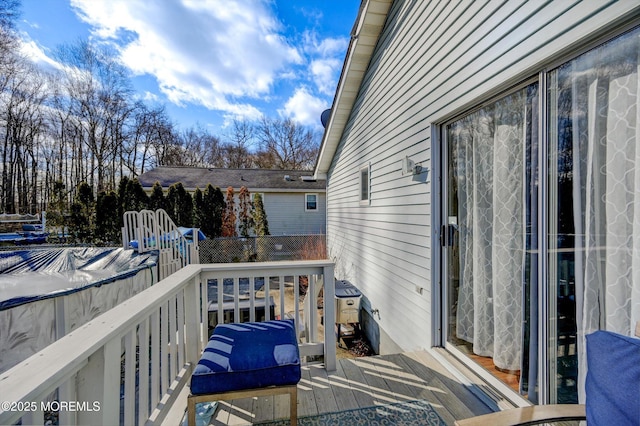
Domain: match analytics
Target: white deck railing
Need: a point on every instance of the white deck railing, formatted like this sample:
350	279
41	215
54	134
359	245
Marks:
91	374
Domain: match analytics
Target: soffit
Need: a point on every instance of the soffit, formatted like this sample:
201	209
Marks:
364	37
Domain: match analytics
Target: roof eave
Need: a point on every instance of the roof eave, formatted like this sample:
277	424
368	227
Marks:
364	37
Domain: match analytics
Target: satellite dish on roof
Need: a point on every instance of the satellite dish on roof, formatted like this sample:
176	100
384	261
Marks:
324	117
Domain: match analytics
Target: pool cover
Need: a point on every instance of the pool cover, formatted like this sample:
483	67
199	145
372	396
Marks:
46	293
36	274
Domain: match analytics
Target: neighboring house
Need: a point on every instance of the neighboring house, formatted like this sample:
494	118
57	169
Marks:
293	200
483	182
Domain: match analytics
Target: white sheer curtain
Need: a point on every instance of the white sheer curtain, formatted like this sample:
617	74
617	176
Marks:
489	147
605	121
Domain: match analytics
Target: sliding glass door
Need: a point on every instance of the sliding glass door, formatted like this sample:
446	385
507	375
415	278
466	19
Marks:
491	212
517	307
594	179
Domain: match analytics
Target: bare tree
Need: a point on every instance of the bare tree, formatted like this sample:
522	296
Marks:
149	130
238	145
98	88
200	147
21	117
284	144
9	13
9	58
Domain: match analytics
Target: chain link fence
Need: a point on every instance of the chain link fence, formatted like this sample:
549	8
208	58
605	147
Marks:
261	249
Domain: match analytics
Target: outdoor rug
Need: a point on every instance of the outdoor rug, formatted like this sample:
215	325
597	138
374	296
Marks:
402	414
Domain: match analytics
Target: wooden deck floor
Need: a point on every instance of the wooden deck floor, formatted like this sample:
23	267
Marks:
361	382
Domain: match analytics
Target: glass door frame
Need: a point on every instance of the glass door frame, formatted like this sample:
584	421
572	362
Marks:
440	220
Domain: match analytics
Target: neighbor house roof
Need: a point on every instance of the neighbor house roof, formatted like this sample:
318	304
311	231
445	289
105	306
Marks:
256	180
364	36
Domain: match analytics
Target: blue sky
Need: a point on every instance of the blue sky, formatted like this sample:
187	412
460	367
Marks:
209	61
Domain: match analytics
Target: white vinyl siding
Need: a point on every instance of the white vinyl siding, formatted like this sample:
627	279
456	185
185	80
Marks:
433	60
287	214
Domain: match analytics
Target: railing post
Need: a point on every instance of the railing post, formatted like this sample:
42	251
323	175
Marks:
192	321
329	318
99	381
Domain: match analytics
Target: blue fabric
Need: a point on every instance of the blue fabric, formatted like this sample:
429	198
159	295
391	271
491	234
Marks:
613	379
248	355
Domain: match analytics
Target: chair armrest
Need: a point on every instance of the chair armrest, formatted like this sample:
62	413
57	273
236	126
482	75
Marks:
532	415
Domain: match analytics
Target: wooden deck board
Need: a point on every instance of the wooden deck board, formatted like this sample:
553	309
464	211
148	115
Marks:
306	401
357	383
421	388
363	382
324	397
386	378
375	384
454	396
342	392
280	406
263	408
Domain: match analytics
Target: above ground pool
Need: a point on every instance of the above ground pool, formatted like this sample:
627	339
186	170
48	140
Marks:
47	292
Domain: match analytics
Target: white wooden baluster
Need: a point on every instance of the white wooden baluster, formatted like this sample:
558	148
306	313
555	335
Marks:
267	295
220	306
236	300
67	392
282	287
156	374
181	325
164	344
312	295
252	299
33	416
204	312
143	372
173	348
130	377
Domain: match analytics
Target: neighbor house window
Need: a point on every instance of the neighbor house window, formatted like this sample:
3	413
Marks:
310	202
365	192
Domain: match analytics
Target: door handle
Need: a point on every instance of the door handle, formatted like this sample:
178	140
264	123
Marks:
447	232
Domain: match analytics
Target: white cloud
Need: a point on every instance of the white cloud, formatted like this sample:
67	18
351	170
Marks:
151	97
326	60
200	51
325	72
304	108
37	55
327	47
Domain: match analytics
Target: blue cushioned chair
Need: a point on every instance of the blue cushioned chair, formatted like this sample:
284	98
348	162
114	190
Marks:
612	389
245	360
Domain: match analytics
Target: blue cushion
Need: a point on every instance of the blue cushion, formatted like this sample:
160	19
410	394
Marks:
248	355
613	379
